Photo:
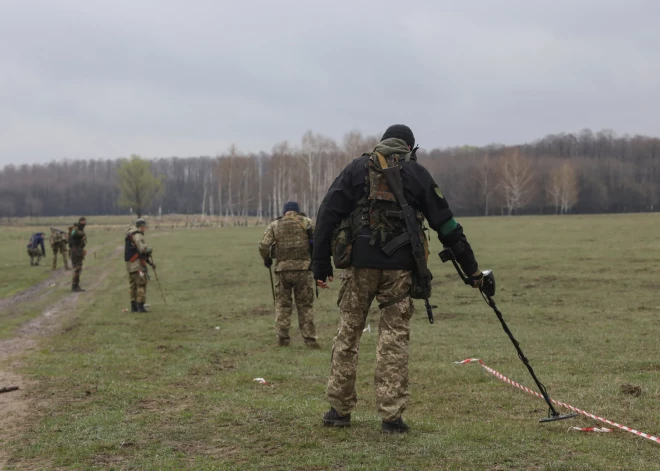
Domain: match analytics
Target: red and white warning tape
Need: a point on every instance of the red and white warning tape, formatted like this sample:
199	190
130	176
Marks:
500	376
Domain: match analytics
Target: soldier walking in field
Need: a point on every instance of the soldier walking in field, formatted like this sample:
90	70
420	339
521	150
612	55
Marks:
372	244
36	248
136	256
288	239
58	245
77	243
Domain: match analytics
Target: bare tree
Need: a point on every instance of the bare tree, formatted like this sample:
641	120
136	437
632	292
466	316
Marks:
562	187
516	181
34	206
486	184
7	209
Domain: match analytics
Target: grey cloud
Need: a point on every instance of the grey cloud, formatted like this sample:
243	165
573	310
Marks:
104	79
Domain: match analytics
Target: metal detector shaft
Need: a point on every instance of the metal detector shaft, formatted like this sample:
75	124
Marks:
488	291
521	355
153	265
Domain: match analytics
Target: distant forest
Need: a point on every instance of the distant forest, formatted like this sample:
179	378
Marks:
585	172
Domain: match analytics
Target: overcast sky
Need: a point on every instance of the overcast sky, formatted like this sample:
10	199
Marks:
104	79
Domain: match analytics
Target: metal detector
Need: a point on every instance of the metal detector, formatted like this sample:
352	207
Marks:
488	291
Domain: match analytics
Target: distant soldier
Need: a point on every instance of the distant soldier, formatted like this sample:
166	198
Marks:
136	256
77	243
36	248
58	245
288	239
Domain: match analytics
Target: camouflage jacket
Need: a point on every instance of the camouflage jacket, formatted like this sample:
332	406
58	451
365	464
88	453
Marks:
135	239
77	238
57	237
288	240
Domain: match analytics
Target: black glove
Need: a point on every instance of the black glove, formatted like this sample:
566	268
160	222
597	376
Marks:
322	269
268	263
477	280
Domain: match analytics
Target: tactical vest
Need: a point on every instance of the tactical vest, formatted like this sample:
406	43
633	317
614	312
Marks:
377	209
75	241
56	237
130	249
292	238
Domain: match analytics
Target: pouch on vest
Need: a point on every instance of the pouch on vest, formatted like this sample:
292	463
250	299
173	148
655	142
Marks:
342	243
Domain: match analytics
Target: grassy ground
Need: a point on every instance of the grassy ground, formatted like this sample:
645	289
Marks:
174	389
17	275
39	287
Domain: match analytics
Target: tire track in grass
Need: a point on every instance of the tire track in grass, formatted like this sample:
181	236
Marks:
15	405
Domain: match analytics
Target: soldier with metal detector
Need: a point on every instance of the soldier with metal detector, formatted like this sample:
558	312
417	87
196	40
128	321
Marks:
137	256
371	222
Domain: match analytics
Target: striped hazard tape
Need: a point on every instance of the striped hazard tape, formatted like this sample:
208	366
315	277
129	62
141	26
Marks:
501	377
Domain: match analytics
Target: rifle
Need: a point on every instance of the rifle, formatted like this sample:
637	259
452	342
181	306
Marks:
151	263
272	286
58	230
393	176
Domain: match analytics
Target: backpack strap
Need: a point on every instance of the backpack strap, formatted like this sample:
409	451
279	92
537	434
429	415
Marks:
381	160
302	226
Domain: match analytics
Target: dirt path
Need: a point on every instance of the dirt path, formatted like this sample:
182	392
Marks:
35	291
14	406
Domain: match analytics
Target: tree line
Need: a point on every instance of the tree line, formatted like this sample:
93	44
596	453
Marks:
583	172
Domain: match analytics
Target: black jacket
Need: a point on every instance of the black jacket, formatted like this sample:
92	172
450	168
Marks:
420	191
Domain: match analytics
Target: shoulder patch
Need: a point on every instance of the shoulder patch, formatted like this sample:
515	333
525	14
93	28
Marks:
438	192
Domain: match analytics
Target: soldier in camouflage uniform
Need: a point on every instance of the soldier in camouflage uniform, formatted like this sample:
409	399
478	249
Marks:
288	240
379	265
77	244
36	248
58	245
136	256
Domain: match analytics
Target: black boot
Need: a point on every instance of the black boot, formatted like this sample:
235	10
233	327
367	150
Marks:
141	308
396	426
134	307
77	289
333	419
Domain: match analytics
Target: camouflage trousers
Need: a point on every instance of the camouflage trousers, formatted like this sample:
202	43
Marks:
60	247
359	287
138	286
77	257
35	254
301	284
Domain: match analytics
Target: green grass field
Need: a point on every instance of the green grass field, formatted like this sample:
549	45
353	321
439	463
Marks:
174	389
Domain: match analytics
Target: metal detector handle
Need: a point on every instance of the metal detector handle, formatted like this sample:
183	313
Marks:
448	256
488	286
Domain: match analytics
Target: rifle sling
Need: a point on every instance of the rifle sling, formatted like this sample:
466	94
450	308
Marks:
394	301
393	177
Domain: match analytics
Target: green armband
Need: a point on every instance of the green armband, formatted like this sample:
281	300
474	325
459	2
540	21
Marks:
448	227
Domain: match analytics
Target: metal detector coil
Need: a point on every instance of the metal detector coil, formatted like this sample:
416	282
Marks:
487	290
